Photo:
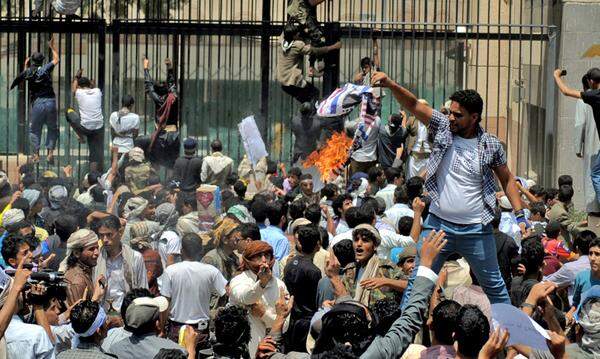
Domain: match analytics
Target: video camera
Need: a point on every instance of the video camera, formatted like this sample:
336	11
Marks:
54	282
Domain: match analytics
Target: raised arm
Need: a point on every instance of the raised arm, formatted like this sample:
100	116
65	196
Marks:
404	97
55	56
149	83
75	82
567	91
318	51
376	55
171	76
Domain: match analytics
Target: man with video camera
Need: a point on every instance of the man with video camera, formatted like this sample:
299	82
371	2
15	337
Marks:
22	340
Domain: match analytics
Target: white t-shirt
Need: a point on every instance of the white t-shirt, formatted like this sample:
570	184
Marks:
128	123
169	243
421	142
460	183
190	285
90	108
368	151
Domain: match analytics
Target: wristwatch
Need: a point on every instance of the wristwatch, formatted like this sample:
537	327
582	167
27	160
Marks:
527	305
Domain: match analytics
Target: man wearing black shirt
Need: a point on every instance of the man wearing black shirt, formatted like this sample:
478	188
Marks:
301	279
164	142
43	100
592	98
187	168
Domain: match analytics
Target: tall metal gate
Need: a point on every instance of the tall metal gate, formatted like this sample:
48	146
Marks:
226	51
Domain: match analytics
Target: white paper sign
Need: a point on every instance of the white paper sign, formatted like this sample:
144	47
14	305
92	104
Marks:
522	329
316	175
252	140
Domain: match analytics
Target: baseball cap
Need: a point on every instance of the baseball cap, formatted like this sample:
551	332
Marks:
299	222
399	253
144	310
190	144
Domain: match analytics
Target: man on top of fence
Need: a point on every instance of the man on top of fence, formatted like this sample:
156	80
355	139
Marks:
43	100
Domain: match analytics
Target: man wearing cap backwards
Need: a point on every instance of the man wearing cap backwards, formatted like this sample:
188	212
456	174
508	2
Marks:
460	181
89	321
78	265
370	278
187	169
43	100
142	320
137	171
258	289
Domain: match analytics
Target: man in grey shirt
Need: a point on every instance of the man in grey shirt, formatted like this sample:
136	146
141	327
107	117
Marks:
142	320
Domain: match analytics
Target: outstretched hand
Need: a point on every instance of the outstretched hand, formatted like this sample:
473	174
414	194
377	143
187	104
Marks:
380	79
495	344
146	63
431	247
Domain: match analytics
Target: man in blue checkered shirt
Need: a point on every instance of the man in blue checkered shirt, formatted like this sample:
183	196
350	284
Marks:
460	181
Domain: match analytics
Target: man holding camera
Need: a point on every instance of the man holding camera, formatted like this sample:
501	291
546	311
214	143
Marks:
22	340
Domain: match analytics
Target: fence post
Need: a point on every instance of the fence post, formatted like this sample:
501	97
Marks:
22	138
116	47
265	47
101	55
331	75
549	153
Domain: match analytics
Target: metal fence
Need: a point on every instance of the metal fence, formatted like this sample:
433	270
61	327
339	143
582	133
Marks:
226	52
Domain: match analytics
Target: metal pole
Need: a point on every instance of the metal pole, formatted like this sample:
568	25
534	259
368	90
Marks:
116	45
265	47
549	153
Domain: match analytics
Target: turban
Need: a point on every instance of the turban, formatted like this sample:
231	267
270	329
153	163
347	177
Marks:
141	232
57	195
134	207
371	229
255	248
12	216
136	154
224	229
78	240
241	213
32	196
166	214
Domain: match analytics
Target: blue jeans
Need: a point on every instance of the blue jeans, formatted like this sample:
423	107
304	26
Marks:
595	174
43	112
477	245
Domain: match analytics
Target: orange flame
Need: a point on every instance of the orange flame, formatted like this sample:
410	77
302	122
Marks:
331	156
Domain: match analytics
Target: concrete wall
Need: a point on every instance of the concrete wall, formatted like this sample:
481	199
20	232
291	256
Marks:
580	30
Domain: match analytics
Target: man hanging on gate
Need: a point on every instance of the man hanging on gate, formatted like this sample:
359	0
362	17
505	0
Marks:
163	149
43	99
461	184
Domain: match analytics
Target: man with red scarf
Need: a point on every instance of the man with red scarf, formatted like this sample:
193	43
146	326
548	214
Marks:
164	141
257	289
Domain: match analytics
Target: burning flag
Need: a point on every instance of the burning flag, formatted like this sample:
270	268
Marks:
331	157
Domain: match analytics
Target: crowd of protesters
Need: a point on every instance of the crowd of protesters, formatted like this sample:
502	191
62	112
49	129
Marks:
427	247
380	265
